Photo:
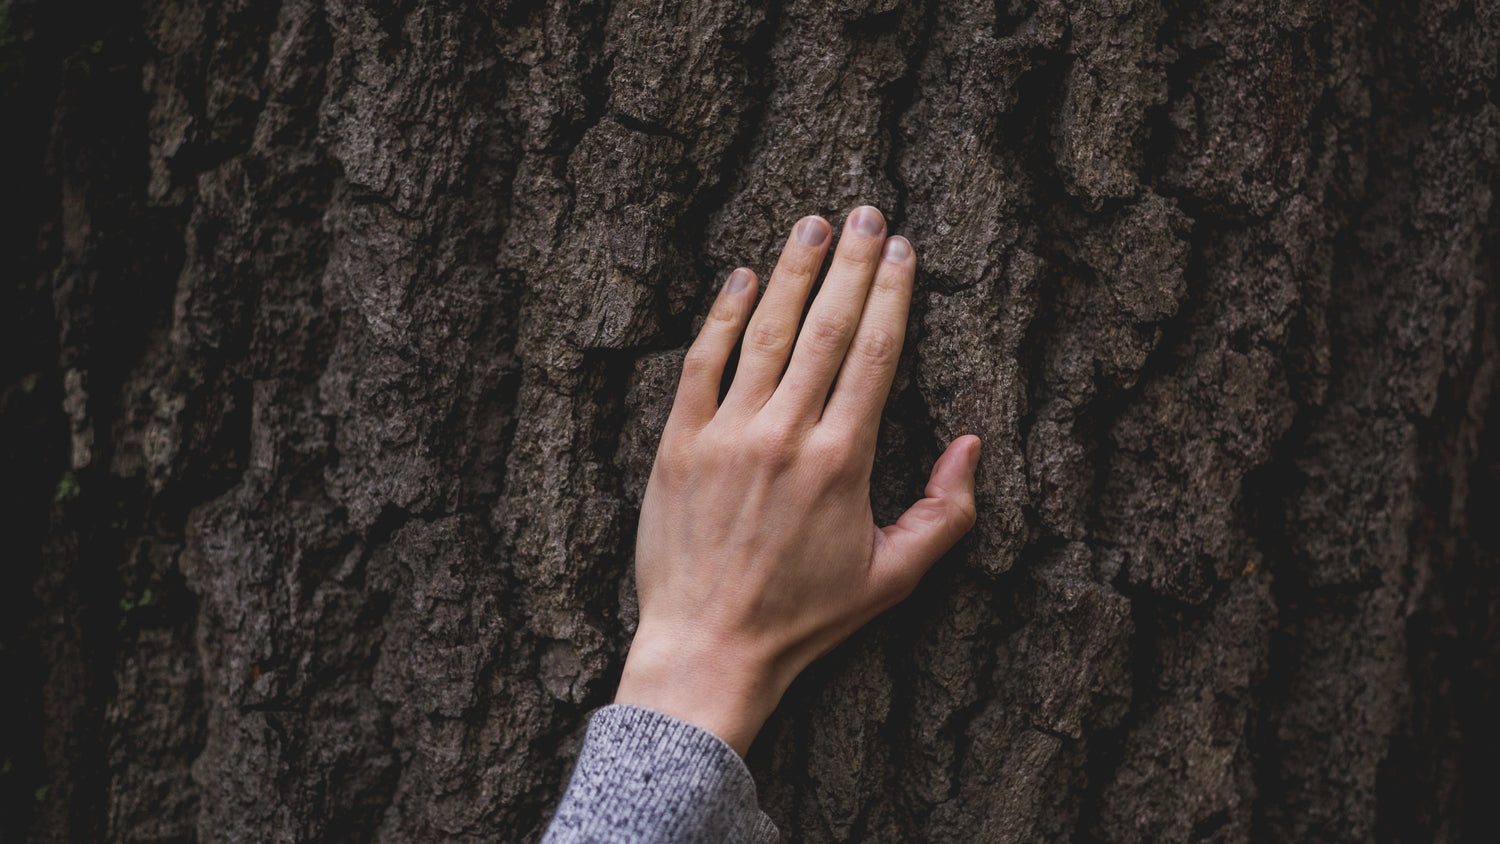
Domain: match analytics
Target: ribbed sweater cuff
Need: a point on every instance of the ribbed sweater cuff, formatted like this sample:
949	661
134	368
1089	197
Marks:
645	776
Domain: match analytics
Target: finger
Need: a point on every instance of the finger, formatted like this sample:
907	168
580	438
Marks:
834	316
768	340
926	531
703	367
865	379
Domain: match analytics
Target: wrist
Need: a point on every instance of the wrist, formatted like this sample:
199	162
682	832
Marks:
722	689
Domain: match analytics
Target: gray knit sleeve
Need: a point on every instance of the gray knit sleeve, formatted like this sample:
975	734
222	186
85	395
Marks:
644	777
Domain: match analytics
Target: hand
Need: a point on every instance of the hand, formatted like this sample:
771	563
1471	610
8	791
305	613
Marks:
757	550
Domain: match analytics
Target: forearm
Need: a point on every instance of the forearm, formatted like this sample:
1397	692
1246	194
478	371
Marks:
643	776
730	693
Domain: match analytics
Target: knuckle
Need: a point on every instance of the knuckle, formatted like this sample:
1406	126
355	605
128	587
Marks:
673	460
865	256
836	454
803	262
877	346
928	516
778	451
892	281
769	336
697	359
967	511
829	331
776	446
723	312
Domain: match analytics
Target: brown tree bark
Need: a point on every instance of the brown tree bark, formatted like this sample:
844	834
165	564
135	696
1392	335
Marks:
339	336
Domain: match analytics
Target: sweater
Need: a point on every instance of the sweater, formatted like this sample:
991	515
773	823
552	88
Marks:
643	776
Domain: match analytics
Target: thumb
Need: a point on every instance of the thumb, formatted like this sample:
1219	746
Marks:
931	526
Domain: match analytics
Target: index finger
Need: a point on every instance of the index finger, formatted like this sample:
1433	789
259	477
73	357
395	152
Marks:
865	376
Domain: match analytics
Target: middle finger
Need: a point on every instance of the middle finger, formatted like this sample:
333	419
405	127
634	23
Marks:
834	315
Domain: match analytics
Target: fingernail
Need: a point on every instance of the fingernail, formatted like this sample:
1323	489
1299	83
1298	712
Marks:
867	221
974	455
897	249
737	280
812	231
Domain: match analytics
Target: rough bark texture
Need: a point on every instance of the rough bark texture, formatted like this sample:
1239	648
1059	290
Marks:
339	335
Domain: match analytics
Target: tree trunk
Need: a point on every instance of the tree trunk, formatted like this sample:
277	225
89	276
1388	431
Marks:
340	336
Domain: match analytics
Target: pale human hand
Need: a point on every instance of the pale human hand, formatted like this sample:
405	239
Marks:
757	550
